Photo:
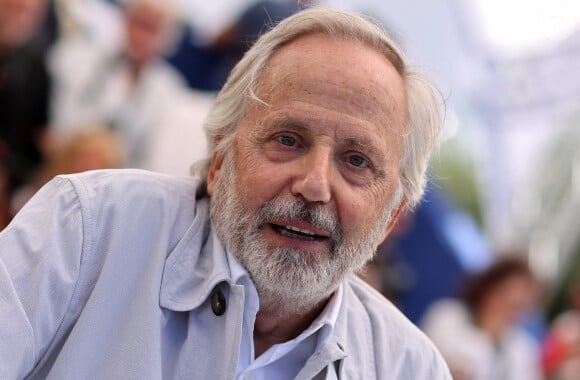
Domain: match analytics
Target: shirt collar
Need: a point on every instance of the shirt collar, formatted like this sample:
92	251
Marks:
329	316
192	270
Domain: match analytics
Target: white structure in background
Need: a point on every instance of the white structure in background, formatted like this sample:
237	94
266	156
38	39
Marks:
181	141
531	86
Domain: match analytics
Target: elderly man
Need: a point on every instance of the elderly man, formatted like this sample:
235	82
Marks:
319	138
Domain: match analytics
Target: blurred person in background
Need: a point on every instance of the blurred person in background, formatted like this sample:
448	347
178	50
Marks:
561	348
479	334
24	94
132	89
255	20
206	65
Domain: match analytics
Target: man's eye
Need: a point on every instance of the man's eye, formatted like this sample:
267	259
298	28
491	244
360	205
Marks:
287	140
358	161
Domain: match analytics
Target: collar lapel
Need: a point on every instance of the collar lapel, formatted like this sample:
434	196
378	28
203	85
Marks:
192	269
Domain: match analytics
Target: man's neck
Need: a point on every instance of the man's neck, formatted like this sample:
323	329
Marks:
274	326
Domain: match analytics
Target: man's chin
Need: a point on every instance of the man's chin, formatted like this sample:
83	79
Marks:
293	281
292	301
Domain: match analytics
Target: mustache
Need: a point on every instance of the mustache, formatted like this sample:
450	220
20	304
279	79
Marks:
298	209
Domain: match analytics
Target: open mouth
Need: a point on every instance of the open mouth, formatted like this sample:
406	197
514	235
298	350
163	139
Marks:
297	233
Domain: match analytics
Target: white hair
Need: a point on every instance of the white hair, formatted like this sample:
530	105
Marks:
233	101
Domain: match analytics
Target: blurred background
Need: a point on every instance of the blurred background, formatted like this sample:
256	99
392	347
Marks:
88	84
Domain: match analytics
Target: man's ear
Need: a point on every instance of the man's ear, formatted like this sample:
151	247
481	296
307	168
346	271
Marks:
394	218
214	172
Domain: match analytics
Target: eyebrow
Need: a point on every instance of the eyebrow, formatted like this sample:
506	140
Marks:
364	145
357	142
286	121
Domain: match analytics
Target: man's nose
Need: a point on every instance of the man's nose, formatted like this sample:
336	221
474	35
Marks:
313	181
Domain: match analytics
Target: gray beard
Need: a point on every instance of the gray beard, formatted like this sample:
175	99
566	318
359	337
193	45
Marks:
288	280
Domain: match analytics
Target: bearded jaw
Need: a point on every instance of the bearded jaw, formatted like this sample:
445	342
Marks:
297	280
287	279
293	282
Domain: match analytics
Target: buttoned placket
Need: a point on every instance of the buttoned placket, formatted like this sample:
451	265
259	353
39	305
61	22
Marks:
221	316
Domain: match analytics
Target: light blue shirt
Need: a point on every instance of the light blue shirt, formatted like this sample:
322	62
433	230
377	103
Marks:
111	275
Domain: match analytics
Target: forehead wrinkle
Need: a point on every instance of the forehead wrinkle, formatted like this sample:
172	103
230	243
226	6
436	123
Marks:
289	63
358	101
287	66
358	106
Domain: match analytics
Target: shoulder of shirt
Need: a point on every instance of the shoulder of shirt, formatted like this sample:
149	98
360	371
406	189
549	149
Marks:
375	305
136	204
132	189
395	340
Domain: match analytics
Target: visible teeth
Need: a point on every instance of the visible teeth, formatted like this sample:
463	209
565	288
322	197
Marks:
306	232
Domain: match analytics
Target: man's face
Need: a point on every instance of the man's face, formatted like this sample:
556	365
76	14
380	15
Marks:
18	20
306	192
146	28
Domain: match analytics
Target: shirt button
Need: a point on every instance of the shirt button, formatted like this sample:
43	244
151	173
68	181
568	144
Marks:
218	302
